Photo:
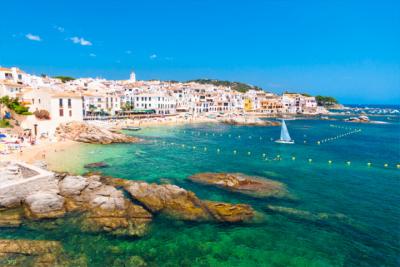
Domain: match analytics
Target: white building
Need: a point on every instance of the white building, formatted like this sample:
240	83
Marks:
62	107
160	103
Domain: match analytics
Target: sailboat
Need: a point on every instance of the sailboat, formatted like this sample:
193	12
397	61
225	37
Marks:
285	137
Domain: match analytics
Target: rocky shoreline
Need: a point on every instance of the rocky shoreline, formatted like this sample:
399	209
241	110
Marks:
88	133
102	206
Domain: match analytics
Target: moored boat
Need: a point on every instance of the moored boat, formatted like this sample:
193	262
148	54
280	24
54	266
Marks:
131	128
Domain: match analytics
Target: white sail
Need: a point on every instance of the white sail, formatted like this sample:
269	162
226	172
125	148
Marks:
284	132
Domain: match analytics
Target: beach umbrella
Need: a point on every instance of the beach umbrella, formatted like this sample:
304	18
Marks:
3	136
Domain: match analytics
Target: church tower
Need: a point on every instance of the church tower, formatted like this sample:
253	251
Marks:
132	77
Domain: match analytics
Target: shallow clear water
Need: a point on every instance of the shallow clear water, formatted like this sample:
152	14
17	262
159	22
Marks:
367	195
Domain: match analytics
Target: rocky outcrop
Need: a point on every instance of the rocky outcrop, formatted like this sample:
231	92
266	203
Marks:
44	205
121	207
73	185
179	203
238	182
35	253
226	212
168	199
87	133
104	207
249	121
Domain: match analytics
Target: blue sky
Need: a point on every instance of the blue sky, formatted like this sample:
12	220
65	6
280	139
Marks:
348	49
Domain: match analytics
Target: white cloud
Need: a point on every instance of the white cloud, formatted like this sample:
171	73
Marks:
153	56
81	41
33	37
92	55
60	29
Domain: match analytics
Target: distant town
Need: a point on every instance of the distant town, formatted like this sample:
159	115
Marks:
43	103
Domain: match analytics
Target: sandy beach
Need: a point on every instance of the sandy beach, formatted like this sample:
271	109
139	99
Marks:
153	121
39	152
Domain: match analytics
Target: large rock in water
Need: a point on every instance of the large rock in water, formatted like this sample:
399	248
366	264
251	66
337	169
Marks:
42	205
179	203
169	199
238	182
104	207
226	212
87	133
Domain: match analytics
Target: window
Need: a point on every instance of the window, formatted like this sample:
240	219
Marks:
61	112
70	113
33	101
60	102
69	103
39	100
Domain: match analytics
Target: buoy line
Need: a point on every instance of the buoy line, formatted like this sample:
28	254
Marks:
342	135
278	157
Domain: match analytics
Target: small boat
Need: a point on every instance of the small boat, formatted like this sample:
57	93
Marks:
131	128
285	137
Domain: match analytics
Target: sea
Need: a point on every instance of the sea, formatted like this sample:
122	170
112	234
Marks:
347	174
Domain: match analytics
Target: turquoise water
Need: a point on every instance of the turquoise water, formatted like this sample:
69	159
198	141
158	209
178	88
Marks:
368	196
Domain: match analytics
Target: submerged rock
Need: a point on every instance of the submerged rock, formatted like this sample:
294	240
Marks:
11	218
36	253
179	203
29	252
132	220
309	216
100	164
238	182
134	261
88	133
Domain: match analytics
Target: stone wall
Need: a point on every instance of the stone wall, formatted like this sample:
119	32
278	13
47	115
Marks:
13	192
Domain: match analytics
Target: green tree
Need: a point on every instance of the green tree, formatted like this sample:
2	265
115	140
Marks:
64	79
325	100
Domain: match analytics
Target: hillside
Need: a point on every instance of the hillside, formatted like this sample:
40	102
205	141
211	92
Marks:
237	86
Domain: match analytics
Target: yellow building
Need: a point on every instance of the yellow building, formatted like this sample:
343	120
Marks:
248	105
